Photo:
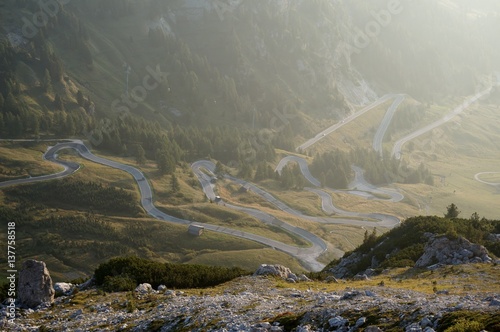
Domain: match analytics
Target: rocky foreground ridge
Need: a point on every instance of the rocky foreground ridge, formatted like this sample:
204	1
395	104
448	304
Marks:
279	301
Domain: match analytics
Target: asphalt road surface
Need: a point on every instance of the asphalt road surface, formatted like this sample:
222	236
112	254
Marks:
384	125
336	126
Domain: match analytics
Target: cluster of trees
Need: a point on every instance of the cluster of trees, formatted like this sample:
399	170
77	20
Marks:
291	177
333	169
124	273
72	31
88	195
133	136
263	171
389	169
17	119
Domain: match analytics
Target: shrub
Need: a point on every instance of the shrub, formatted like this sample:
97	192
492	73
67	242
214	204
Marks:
118	284
464	325
123	271
469	321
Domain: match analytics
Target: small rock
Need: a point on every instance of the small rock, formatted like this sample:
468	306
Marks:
360	277
331	279
144	289
161	288
350	295
337	322
370	272
303	277
265	325
76	314
370	293
373	329
495	302
414	327
425	322
63	288
360	322
87	284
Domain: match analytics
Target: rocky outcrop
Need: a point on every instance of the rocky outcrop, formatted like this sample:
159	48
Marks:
343	269
441	250
35	284
276	270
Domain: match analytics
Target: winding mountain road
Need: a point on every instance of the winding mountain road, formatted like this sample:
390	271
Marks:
396	151
384	125
307	256
383	220
477	177
350	118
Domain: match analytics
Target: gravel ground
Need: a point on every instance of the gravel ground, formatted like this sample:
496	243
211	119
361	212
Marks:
252	304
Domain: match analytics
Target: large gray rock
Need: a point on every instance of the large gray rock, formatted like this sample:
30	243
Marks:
276	270
35	284
441	250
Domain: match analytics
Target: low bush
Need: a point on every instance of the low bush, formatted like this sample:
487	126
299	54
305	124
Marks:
121	273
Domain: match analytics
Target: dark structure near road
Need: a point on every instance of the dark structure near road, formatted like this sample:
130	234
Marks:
195	230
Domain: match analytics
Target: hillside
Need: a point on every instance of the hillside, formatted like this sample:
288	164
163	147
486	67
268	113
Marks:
288	56
421	242
297	105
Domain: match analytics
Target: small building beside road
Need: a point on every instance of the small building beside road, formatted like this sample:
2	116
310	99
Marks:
195	230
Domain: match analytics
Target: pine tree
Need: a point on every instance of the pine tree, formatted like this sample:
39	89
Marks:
58	103
219	168
2	125
452	211
140	155
36	126
164	162
80	99
47	82
69	126
175	184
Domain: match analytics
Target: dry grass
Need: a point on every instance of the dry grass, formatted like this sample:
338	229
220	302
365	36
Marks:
23	159
460	280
